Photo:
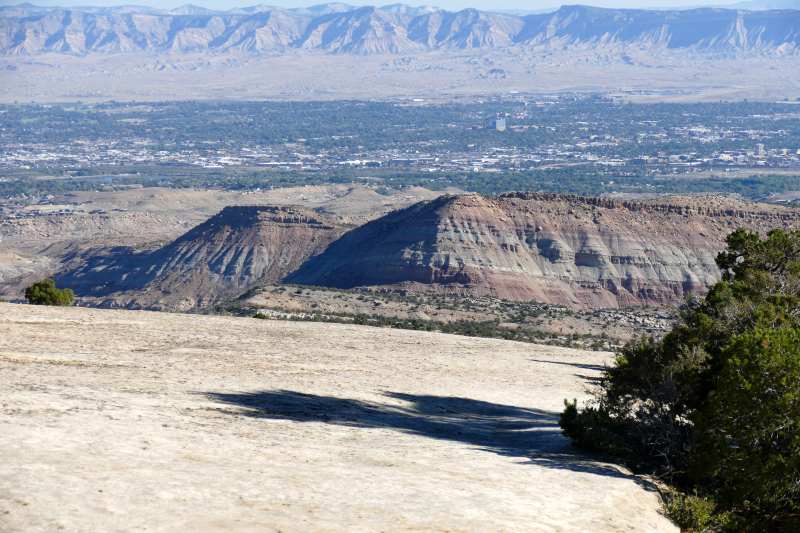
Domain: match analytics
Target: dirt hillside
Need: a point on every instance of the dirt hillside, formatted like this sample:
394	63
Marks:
221	258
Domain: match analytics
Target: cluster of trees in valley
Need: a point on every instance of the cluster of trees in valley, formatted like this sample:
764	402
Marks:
567	144
385	125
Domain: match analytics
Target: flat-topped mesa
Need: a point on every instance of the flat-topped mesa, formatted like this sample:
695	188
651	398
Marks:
570	250
712	206
274	214
234	250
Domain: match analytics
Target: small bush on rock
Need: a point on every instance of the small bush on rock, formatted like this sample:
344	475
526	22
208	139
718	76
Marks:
44	292
693	513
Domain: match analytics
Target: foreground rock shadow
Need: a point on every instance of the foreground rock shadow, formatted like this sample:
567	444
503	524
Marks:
503	429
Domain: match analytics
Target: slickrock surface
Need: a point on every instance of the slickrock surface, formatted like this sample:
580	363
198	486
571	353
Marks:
221	258
129	420
570	250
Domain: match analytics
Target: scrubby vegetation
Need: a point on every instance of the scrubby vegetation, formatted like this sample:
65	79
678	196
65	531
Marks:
714	406
483	316
490	329
44	292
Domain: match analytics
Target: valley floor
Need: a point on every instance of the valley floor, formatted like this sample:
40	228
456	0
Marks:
128	420
435	77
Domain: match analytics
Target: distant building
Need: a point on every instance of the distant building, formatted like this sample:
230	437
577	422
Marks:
760	149
500	124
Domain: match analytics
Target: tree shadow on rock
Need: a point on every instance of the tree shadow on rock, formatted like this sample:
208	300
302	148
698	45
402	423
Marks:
583	366
502	429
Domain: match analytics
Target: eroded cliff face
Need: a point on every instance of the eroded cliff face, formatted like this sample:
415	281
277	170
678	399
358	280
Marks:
238	248
575	251
569	250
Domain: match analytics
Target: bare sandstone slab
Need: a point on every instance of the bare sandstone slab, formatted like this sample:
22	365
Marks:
133	420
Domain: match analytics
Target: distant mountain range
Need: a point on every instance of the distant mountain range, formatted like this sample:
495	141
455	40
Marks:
28	9
758	5
396	29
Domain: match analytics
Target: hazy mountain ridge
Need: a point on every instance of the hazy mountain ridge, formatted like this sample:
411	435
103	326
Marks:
28	9
397	29
723	30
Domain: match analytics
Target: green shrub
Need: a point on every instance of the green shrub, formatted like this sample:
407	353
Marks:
261	315
693	513
638	413
596	430
44	292
715	403
748	431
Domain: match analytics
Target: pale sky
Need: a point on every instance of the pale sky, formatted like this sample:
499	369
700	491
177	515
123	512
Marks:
451	5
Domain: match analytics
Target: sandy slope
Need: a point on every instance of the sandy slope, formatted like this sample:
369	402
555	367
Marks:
124	420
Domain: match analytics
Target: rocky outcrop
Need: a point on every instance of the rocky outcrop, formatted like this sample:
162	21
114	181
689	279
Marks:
570	250
238	248
469	28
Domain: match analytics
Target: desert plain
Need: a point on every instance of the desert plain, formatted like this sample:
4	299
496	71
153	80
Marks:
435	77
118	420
